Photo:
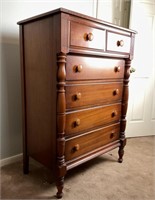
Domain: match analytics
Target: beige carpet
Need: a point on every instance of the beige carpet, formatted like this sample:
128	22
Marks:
100	179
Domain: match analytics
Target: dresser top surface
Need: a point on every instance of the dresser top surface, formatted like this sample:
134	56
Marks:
63	10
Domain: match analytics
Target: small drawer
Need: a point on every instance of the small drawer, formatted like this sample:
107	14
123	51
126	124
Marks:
88	68
91	141
118	43
92	94
86	37
81	121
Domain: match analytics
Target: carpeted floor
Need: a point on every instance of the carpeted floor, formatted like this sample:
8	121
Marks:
100	179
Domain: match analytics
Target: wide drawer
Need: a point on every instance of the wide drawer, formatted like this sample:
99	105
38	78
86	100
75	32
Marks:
83	120
92	94
118	43
91	141
86	36
86	68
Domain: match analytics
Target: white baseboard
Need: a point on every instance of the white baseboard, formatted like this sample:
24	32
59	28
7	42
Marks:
12	159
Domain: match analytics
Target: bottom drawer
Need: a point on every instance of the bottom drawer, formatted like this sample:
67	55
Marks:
82	144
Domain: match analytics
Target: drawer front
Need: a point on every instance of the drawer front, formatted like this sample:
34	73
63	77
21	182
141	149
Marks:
81	121
91	141
86	95
86	37
86	68
117	42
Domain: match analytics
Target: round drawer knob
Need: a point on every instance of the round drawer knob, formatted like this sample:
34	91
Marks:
116	92
114	113
77	122
78	96
132	70
117	69
76	148
90	36
78	68
120	43
111	135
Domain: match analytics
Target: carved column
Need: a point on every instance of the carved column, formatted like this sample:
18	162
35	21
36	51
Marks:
61	118
124	109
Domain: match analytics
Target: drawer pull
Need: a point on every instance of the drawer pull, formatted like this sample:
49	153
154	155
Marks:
77	122
90	36
76	148
116	92
120	43
112	135
78	96
114	113
132	70
78	68
117	69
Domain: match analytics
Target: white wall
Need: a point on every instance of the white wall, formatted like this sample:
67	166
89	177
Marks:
115	11
11	12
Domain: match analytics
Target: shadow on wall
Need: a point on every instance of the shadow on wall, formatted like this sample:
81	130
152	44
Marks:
11	130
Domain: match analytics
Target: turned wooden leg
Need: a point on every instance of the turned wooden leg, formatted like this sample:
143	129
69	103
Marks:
61	122
121	150
60	185
25	164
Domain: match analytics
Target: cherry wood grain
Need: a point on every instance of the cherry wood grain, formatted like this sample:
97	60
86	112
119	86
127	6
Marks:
79	95
86	36
90	141
92	118
93	68
40	85
118	42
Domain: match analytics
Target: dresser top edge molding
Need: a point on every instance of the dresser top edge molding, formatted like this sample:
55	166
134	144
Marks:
63	10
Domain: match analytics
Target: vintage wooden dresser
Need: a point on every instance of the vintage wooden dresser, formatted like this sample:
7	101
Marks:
75	74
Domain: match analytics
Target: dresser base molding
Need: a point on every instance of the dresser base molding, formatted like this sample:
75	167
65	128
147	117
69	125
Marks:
94	154
75	72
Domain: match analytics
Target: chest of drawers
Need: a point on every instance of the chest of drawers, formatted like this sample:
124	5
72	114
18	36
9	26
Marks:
75	74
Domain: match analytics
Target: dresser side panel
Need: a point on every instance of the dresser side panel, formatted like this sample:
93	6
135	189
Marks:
40	90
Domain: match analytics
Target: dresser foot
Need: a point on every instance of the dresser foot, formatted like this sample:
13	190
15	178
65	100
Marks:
26	165
60	185
121	151
120	160
59	195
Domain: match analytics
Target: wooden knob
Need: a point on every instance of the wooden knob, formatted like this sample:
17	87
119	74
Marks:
76	147
78	96
120	43
90	36
78	68
77	122
117	69
132	70
116	92
112	135
114	113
